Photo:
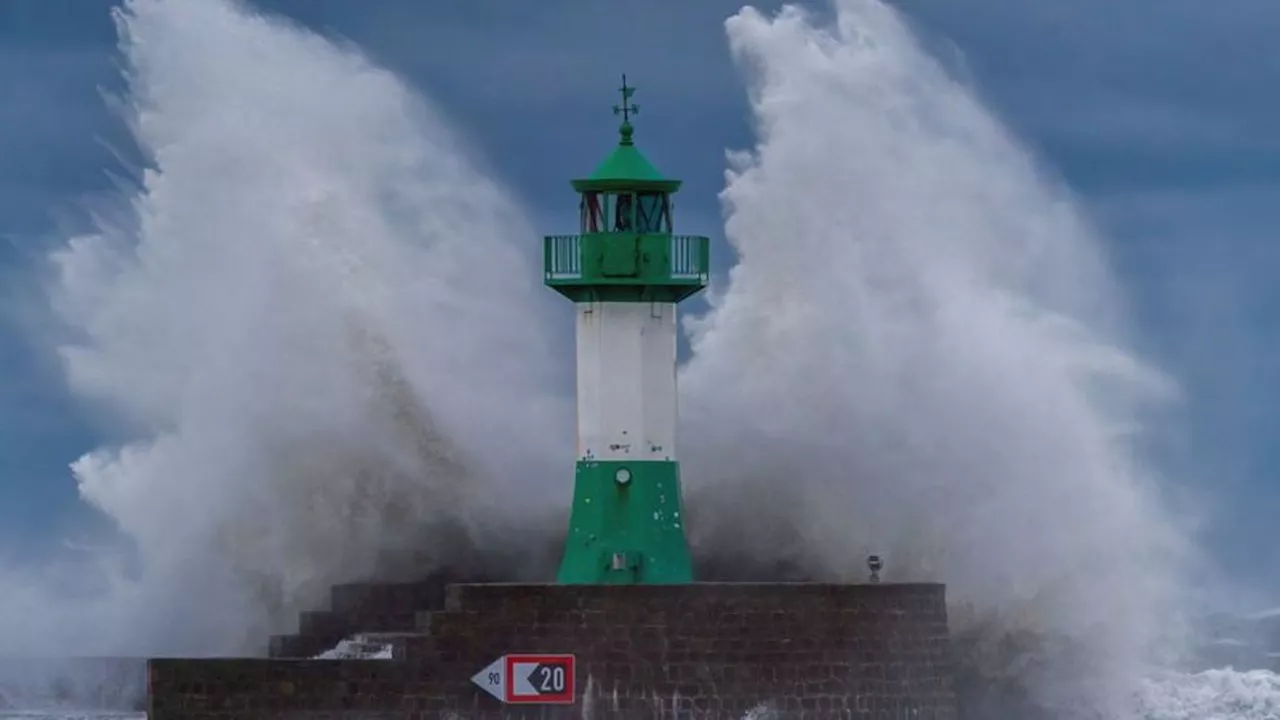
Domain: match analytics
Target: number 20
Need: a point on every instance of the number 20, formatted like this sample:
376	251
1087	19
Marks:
553	679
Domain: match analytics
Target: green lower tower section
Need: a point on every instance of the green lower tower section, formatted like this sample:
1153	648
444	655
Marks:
627	526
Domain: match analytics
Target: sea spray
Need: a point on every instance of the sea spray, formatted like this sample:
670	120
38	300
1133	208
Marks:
920	353
322	331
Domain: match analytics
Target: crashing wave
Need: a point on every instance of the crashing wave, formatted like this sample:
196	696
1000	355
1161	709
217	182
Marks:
1223	694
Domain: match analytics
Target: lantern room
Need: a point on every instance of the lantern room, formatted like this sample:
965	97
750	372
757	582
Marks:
626	246
623	211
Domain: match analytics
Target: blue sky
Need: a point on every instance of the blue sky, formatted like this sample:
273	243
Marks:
1160	114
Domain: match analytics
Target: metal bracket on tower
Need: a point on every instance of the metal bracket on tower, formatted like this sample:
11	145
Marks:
624	566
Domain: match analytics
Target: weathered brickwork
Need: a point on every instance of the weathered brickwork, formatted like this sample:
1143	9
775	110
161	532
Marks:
361	608
688	651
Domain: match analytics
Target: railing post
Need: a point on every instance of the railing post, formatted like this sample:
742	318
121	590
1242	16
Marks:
562	257
689	257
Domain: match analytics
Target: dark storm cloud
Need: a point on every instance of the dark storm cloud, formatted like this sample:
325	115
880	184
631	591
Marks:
1131	94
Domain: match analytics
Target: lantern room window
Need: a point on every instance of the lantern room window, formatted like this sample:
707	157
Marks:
624	217
646	212
592	211
653	213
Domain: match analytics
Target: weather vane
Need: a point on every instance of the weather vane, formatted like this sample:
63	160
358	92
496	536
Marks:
627	108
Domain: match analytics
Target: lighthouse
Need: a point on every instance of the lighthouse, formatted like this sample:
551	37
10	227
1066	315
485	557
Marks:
626	271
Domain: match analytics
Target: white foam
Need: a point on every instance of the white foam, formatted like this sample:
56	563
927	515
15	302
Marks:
358	648
1212	695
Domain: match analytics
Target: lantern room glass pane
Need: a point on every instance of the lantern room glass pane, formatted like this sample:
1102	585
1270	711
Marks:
624	213
591	211
645	212
651	213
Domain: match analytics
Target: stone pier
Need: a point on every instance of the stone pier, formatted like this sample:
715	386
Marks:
702	650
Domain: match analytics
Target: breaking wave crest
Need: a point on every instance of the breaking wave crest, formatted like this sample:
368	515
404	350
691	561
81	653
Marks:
919	353
318	323
1211	695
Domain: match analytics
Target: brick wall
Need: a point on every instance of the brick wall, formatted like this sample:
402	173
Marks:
690	651
360	607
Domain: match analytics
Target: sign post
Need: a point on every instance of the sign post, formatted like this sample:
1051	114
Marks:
529	679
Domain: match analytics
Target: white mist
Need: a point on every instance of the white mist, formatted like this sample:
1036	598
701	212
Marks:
324	329
919	353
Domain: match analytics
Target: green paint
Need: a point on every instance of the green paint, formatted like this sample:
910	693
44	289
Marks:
618	267
626	168
626	251
640	524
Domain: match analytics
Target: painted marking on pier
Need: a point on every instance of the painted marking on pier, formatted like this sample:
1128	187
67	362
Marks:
529	679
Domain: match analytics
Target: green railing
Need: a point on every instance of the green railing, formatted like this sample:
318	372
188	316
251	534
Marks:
689	256
563	257
668	259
